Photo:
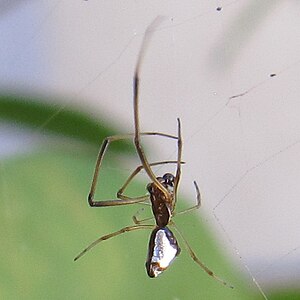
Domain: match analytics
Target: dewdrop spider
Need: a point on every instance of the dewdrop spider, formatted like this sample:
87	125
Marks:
162	191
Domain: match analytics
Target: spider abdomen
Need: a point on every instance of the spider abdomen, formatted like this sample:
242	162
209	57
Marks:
163	249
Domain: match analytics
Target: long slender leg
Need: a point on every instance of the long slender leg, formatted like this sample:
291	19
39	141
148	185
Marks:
178	171
137	142
113	234
196	206
134	173
199	262
101	154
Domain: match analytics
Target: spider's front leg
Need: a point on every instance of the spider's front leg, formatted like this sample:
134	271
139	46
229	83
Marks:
120	193
123	200
102	151
196	206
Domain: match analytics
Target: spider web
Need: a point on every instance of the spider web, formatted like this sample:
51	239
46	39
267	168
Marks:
228	69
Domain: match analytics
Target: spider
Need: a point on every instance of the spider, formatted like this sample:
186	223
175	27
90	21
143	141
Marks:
162	191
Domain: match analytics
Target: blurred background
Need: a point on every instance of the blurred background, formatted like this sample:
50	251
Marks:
228	69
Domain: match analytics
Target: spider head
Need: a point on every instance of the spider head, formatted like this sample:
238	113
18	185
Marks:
168	180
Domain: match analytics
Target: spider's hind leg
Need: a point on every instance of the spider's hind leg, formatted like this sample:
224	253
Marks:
111	235
198	261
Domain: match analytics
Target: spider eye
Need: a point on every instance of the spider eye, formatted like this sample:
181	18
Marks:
169	179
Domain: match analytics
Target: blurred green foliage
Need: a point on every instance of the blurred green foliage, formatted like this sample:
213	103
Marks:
46	222
56	118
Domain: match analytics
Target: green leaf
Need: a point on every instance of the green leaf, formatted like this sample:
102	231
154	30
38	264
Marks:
285	294
42	116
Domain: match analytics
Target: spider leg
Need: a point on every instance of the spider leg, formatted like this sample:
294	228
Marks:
102	151
196	206
137	221
111	235
120	193
147	37
178	171
198	261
